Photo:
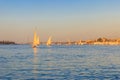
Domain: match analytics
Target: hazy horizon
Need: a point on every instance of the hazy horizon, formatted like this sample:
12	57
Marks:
61	19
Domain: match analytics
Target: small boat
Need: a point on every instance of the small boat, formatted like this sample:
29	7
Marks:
69	42
49	42
36	41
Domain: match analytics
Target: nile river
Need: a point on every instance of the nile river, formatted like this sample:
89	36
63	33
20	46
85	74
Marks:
86	62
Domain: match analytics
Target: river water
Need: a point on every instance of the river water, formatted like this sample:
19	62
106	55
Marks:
59	62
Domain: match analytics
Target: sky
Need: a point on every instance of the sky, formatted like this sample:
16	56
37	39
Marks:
61	19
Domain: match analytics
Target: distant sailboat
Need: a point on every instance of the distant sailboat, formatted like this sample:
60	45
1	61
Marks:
69	42
36	40
49	42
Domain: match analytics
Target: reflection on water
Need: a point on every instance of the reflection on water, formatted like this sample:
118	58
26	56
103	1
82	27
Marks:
35	62
21	62
35	51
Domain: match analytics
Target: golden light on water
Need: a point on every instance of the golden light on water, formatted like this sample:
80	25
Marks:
35	61
35	51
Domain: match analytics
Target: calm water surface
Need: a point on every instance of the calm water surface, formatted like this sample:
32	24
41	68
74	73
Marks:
21	62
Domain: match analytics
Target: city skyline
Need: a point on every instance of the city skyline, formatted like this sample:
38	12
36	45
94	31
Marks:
61	19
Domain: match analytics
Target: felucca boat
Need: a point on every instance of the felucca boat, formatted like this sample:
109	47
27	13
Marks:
36	41
49	42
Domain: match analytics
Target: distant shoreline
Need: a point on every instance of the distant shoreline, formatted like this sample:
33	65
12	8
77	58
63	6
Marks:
7	42
99	41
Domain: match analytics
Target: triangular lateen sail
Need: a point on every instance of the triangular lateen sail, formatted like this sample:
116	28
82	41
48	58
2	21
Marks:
49	42
36	40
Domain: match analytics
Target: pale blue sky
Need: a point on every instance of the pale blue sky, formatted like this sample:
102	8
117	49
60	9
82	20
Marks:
62	19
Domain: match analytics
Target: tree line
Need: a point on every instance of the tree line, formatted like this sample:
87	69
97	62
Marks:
7	42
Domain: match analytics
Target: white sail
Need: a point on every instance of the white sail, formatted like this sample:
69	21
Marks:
49	42
36	41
